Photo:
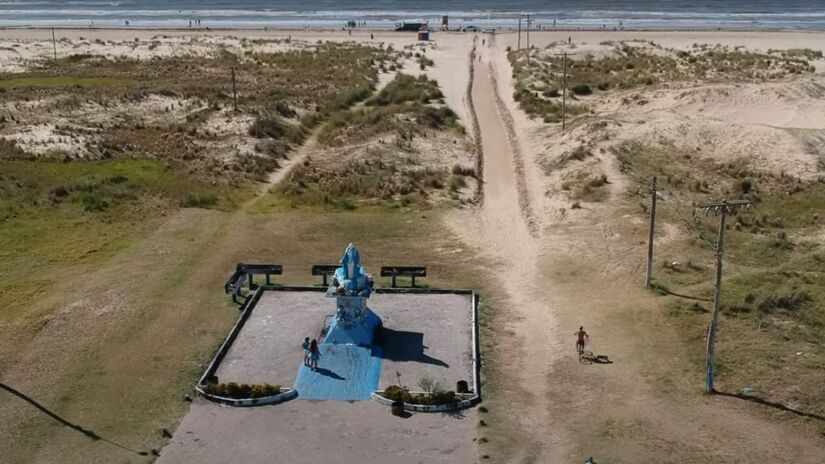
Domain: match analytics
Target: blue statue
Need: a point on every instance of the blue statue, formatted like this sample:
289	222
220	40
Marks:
351	286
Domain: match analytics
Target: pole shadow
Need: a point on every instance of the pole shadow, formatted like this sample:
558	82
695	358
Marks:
773	404
89	433
403	346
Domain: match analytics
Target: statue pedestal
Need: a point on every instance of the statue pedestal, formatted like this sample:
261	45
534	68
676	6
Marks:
354	323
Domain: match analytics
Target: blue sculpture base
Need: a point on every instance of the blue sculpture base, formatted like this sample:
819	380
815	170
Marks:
361	334
345	373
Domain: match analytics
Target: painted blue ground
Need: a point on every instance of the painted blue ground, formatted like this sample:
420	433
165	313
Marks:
345	373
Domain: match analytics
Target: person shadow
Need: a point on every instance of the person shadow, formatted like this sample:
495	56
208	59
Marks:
328	373
587	357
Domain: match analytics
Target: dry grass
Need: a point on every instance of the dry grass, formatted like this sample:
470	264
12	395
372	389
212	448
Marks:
632	64
773	293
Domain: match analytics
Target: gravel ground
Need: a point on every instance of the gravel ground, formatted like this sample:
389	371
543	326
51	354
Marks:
312	432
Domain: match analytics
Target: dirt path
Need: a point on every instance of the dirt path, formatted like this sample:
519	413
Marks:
503	229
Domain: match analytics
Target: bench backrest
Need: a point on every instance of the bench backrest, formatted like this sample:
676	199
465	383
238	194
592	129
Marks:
324	269
271	269
403	271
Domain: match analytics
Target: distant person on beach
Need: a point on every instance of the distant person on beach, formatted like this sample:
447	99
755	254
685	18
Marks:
371	36
314	354
305	347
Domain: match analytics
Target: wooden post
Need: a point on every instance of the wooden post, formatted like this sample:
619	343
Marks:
649	273
564	93
234	90
54	45
528	40
518	47
717	298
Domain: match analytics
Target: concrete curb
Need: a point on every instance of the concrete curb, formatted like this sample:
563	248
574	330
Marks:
458	405
286	395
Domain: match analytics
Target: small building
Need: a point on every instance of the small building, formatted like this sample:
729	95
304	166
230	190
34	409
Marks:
424	33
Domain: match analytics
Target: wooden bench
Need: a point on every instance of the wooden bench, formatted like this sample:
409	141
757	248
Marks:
324	270
403	271
244	272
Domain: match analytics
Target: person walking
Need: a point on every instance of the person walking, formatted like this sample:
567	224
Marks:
581	335
305	347
314	354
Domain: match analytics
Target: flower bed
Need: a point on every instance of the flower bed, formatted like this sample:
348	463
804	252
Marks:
433	398
242	391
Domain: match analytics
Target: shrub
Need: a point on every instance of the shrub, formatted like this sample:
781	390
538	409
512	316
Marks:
406	88
93	201
456	183
267	127
789	302
242	391
204	200
460	170
582	89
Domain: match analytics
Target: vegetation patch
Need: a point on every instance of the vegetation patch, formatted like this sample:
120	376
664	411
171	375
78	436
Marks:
773	289
242	391
434	398
634	64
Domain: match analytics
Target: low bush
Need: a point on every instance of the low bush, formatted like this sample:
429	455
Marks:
397	393
93	202
582	89
242	391
789	302
200	200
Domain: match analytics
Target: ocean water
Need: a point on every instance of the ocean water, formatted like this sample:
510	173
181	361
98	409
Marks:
646	14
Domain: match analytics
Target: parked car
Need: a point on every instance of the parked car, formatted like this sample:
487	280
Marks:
471	29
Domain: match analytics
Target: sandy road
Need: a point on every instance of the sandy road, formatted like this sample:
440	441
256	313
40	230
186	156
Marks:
503	230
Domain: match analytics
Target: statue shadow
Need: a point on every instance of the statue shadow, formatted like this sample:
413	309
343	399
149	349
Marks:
404	346
328	373
88	433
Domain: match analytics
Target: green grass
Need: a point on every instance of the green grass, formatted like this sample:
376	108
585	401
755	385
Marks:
57	214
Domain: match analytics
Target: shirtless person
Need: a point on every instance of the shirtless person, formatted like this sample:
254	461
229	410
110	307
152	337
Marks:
581	336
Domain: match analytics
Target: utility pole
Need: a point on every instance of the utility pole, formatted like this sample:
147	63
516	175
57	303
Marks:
234	90
54	45
528	40
564	90
519	34
723	209
649	273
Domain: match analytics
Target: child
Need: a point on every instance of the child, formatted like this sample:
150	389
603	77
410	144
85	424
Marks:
314	354
305	347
